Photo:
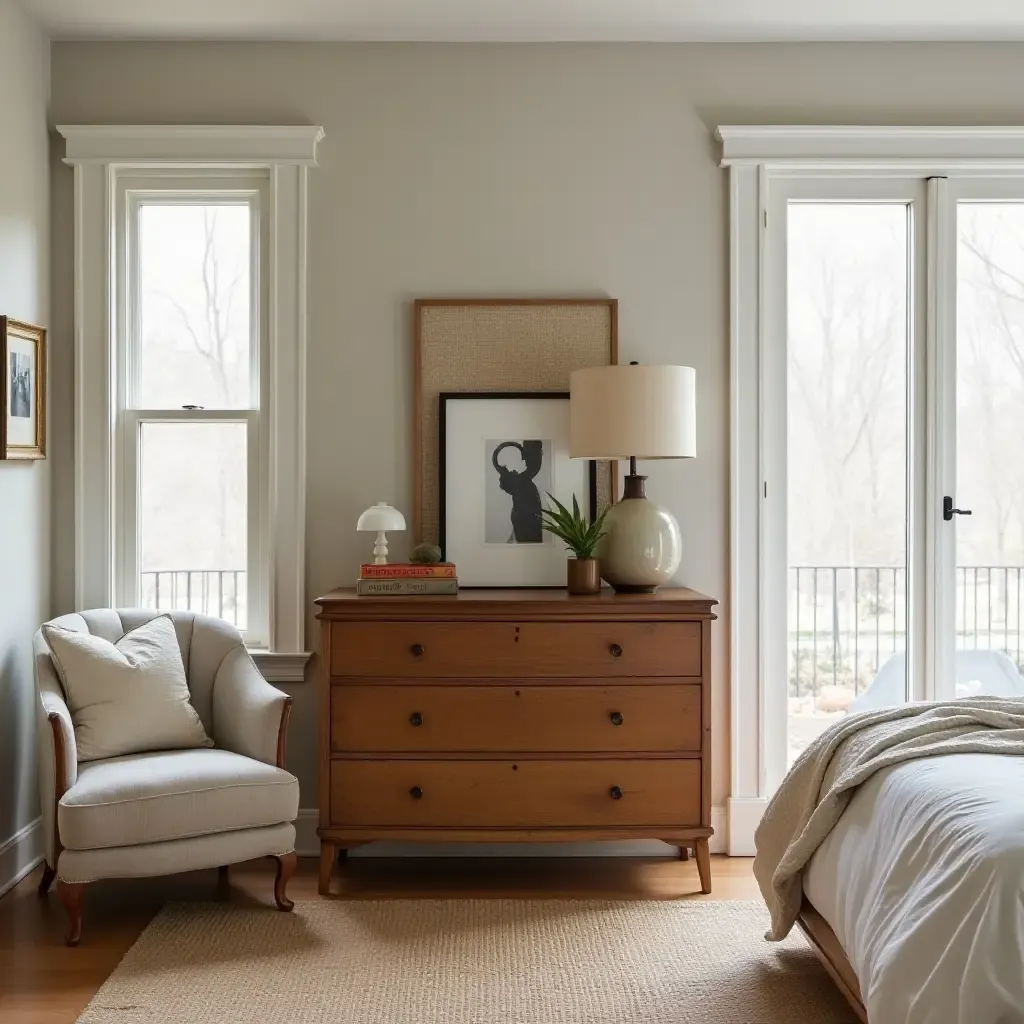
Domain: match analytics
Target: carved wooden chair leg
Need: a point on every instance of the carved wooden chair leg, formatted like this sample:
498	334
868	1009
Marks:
70	894
47	880
285	869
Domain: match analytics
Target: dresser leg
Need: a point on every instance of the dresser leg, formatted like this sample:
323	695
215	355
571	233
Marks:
703	854
326	863
684	853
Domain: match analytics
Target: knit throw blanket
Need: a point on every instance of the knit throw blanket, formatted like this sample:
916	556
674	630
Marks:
817	789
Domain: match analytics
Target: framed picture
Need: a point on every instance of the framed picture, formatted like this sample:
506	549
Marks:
480	345
501	455
22	390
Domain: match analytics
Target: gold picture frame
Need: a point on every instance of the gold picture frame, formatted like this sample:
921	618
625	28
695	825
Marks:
469	345
22	390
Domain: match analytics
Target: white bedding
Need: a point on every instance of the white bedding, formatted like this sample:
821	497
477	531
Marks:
922	880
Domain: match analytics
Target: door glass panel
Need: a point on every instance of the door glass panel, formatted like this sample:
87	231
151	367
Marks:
194	298
989	448
847	412
192	518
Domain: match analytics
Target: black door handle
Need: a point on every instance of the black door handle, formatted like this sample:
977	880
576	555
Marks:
948	511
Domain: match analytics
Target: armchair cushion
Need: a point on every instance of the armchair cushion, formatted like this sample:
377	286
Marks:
175	794
127	696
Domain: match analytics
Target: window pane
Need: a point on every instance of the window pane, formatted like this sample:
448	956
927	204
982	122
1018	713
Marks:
847	461
192	518
194	289
989	448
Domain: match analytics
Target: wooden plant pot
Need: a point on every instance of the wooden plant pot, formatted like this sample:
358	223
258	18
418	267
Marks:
583	576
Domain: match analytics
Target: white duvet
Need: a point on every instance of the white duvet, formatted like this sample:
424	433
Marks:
922	880
905	828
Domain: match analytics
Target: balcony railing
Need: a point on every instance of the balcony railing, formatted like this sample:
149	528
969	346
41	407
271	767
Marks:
219	592
846	621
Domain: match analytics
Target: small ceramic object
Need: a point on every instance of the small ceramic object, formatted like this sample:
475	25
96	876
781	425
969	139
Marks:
425	554
583	576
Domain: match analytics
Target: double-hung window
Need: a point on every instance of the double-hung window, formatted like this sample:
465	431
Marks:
192	387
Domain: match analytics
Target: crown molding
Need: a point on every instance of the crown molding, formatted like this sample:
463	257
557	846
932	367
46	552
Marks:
929	149
207	145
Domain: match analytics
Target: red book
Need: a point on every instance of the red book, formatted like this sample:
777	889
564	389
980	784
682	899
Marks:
408	571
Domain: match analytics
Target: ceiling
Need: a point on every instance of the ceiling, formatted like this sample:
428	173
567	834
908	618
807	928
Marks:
533	20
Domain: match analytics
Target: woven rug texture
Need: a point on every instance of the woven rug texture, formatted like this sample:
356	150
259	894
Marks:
467	962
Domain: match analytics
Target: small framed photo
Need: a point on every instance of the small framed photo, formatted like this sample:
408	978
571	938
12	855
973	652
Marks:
501	455
22	390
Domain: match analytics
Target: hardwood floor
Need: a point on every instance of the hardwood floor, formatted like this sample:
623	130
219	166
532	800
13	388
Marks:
42	981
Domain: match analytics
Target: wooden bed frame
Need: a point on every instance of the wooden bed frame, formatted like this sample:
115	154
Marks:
826	945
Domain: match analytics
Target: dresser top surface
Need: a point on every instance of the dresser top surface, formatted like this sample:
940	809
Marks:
489	603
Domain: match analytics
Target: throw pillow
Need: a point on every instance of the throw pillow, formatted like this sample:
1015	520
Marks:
127	697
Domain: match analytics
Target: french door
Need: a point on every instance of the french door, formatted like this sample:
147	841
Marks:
892	447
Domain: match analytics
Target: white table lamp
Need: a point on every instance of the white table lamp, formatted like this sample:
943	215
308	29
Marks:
380	518
635	412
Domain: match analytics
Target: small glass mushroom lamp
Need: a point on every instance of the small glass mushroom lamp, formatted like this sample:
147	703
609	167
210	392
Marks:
379	519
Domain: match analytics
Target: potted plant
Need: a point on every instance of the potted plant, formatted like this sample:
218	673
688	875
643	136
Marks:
580	537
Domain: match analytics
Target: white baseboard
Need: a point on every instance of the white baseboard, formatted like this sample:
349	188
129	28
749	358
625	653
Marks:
744	816
307	844
20	854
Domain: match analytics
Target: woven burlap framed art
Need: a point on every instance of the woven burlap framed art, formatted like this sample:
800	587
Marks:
499	345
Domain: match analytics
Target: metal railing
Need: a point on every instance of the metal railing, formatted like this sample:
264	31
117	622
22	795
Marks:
219	592
846	621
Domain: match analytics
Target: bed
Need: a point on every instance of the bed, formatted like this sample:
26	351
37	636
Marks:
913	895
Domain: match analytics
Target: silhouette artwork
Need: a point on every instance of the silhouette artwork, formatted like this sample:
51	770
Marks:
520	475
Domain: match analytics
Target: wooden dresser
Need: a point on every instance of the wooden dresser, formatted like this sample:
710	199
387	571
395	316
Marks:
515	715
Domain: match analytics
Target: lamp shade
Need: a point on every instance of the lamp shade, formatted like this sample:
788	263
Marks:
381	516
649	412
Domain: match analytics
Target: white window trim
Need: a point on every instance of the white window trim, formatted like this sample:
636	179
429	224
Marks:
100	156
756	156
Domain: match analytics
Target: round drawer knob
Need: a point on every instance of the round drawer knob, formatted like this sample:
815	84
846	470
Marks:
416	793
415	718
616	717
615	793
416	650
616	650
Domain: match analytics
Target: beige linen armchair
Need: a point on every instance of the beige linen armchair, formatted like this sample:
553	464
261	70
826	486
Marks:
166	811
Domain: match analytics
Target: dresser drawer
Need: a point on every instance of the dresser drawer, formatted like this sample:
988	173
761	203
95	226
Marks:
480	649
436	718
526	794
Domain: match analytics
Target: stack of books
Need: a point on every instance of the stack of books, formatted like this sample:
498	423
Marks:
405	579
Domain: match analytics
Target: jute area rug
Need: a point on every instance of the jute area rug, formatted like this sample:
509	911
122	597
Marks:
467	962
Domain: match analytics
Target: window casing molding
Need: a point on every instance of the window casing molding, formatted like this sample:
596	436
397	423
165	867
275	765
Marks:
759	159
103	157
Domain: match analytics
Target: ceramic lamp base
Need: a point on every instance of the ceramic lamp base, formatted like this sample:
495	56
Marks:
642	546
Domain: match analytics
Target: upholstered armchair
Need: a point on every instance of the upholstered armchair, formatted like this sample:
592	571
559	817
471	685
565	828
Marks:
162	812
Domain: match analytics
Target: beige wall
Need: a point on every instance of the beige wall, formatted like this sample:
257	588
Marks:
509	170
24	488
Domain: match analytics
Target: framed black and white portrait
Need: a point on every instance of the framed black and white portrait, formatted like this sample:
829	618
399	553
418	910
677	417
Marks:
501	456
22	390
